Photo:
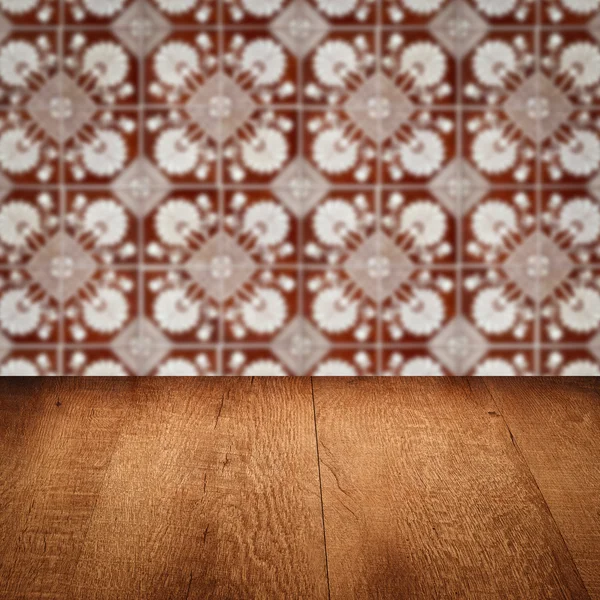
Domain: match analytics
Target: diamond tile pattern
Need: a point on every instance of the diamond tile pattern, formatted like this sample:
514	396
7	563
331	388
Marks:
292	187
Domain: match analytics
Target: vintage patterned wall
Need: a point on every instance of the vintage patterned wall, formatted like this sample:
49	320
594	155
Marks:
299	187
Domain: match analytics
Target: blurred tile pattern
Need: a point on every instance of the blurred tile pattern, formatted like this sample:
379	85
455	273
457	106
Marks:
344	187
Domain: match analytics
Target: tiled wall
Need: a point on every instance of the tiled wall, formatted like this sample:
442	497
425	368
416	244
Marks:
300	187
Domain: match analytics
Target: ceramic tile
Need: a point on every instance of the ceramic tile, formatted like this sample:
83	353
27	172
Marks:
293	187
28	221
417	305
571	361
30	363
500	304
570	12
27	13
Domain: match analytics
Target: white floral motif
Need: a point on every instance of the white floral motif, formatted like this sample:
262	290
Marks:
581	155
423	7
19	151
181	148
335	368
26	66
335	62
581	368
19	60
264	368
417	306
17	7
574	150
267	223
337	8
265	312
107	62
573	67
421	367
30	366
176	7
418	147
261	146
177	367
105	368
181	307
418	227
106	311
265	61
499	307
424	221
496	8
105	154
581	218
182	68
182	225
495	367
334	310
334	220
339	306
573	307
335	152
500	68
423	313
581	311
175	311
261	306
176	221
19	221
106	220
175	62
100	68
423	154
100	148
18	367
494	312
176	152
499	226
574	224
425	63
266	151
499	147
20	314
418	69
341	67
556	8
25	309
260	8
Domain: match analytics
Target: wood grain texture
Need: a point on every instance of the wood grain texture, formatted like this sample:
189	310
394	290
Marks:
426	496
218	488
211	491
57	438
556	425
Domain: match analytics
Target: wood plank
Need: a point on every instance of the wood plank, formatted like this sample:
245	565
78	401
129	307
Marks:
426	496
556	425
56	441
213	492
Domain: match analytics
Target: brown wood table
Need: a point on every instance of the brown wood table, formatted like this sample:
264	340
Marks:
298	488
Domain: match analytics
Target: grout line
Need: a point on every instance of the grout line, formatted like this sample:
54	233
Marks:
62	199
265	186
141	292
538	193
460	204
312	388
332	28
221	189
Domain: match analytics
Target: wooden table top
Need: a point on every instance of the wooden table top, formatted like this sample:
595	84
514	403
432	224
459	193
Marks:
299	488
